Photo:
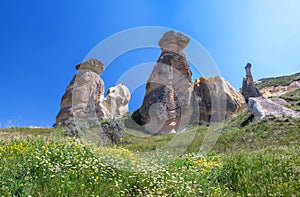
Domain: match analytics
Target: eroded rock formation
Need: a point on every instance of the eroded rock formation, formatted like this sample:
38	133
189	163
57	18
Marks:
167	103
84	96
275	91
172	101
83	92
249	89
217	99
115	104
262	107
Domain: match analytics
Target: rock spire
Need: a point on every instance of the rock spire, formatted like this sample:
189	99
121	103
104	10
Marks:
248	88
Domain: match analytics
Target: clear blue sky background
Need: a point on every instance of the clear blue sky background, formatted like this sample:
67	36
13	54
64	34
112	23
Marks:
42	41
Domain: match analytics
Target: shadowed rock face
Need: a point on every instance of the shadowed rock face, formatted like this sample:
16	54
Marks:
172	101
217	100
83	92
167	103
84	96
248	88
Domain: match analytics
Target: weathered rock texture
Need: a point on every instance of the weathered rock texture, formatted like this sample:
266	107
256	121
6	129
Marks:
280	101
275	91
91	65
84	96
167	103
115	104
249	89
262	107
83	92
217	99
172	101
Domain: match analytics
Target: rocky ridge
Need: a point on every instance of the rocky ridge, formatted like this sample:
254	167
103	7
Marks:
260	106
279	86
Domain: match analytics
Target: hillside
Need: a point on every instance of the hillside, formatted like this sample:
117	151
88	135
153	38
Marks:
251	157
293	98
277	81
259	159
285	87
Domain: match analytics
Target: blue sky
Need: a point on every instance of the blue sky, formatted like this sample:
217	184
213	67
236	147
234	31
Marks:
42	41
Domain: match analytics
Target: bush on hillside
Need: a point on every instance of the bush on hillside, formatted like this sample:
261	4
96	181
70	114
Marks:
114	130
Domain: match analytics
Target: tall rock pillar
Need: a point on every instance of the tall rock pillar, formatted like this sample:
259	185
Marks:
249	89
84	96
81	98
167	103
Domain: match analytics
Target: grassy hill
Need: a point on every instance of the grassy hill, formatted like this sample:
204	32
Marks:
256	159
277	81
293	98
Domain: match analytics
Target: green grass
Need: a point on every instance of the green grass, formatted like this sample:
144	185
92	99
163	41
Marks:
39	168
234	137
255	158
293	98
277	81
270	172
18	133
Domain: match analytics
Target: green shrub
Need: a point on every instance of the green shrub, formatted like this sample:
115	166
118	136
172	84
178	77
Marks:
114	130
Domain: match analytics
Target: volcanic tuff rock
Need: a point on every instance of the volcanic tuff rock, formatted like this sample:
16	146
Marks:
92	65
115	104
174	41
262	107
167	103
280	101
172	101
275	91
217	99
249	89
85	93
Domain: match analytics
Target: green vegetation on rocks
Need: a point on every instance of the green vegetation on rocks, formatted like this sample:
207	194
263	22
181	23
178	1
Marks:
277	81
293	98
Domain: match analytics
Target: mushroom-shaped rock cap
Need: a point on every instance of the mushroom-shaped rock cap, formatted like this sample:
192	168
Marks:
248	65
171	38
92	64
